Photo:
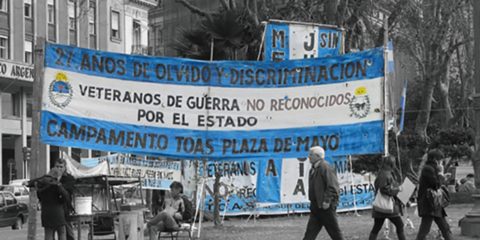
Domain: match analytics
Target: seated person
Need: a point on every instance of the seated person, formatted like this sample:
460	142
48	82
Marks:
170	217
468	185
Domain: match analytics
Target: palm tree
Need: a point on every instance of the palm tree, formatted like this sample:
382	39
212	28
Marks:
233	35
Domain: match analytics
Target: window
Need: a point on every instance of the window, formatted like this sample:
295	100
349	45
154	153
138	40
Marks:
137	33
9	198
158	38
4	47
29	104
72	23
92	26
28	8
28	46
4	5
51	11
115	24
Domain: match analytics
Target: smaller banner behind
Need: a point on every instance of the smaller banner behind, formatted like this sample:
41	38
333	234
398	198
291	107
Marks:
356	190
156	174
279	186
296	40
78	170
238	185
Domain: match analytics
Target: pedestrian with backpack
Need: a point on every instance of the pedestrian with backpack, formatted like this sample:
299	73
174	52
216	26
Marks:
432	197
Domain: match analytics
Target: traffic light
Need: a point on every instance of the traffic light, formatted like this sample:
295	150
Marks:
27	154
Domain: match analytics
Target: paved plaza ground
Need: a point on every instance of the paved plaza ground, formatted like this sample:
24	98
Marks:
293	227
290	227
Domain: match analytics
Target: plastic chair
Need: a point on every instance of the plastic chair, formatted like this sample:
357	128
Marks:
104	225
173	234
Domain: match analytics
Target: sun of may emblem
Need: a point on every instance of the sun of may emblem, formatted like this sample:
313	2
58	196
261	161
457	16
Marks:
60	90
360	104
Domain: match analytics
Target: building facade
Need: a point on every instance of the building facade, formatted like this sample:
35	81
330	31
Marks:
109	25
168	20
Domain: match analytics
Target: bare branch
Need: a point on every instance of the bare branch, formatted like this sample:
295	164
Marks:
225	4
455	46
233	4
417	58
252	11
397	10
195	9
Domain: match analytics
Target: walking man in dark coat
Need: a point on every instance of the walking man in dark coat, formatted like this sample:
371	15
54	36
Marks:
323	193
68	183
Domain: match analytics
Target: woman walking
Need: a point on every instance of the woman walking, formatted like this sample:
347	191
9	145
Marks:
388	184
431	179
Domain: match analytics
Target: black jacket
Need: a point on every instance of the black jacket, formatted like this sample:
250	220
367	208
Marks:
68	183
52	197
429	178
386	183
323	186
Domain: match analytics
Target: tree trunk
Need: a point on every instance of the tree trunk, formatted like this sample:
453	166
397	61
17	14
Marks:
463	97
476	164
331	8
392	19
423	116
443	89
476	54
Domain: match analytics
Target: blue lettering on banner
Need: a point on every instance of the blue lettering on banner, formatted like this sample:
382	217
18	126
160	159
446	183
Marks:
239	74
269	180
64	125
329	41
70	131
277	42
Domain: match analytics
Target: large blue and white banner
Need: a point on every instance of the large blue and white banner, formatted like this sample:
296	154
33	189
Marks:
222	109
286	40
279	186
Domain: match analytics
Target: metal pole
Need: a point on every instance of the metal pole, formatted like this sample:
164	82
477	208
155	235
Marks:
265	24
385	89
352	183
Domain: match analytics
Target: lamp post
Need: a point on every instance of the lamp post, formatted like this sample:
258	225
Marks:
470	224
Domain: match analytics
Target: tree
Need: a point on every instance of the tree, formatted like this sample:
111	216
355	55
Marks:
362	31
476	158
231	34
431	32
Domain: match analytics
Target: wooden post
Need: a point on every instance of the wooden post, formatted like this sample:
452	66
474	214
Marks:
37	158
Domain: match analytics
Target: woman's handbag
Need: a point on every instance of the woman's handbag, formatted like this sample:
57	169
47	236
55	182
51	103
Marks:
383	203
